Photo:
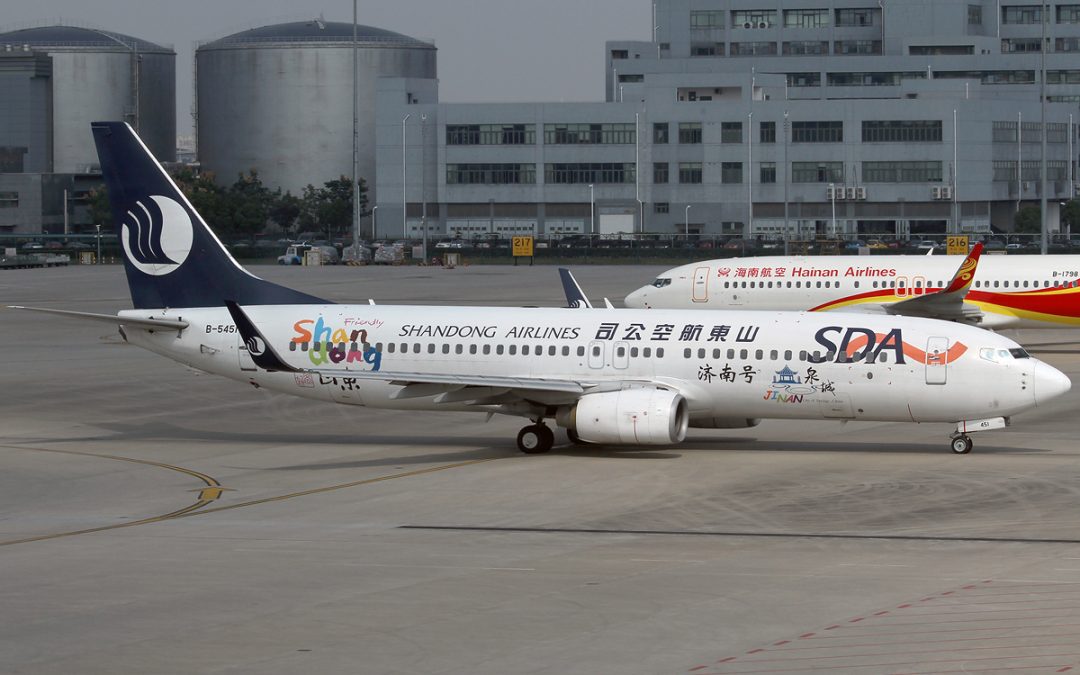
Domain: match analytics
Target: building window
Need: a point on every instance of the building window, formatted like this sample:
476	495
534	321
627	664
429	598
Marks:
1068	13
689	132
806	47
804	79
576	174
619	54
660	133
941	50
1021	45
490	174
856	17
730	172
690	172
974	15
1004	132
660	172
491	134
891	79
9	200
631	77
901	131
1004	171
1063	77
767	132
731	132
817	132
753	49
1021	14
806	18
707	19
706	49
1066	45
1056	132
768	172
753	18
817	172
901	172
661	207
857	47
589	134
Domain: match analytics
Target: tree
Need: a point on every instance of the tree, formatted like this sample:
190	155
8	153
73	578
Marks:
248	203
1028	220
329	208
285	210
97	200
1070	214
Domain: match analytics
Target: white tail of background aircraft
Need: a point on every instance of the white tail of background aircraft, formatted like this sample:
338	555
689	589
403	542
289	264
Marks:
615	376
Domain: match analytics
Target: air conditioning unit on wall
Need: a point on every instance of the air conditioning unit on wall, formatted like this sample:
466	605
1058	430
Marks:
763	24
748	24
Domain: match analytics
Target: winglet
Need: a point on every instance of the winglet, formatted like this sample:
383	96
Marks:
575	297
961	281
261	352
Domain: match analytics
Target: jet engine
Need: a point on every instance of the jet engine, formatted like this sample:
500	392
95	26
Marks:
724	422
633	416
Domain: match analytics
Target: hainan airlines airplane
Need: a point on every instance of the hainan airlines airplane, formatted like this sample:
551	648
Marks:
613	376
1003	292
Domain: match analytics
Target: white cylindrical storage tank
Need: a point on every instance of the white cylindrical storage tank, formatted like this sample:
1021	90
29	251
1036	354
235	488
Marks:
277	99
102	75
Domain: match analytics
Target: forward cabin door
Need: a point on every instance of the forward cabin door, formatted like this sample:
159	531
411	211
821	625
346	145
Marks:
937	360
701	285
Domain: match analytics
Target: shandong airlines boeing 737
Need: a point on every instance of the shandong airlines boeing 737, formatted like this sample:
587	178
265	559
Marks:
613	376
994	292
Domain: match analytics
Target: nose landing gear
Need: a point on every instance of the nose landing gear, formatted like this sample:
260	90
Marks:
961	444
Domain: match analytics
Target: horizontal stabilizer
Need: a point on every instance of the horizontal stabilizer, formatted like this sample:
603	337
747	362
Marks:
175	324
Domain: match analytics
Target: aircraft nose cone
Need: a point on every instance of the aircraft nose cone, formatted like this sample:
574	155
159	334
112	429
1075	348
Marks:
1049	383
637	299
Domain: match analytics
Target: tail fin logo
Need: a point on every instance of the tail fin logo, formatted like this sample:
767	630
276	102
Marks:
255	345
157	238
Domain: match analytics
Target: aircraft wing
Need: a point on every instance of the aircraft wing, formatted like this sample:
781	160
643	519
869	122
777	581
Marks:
948	303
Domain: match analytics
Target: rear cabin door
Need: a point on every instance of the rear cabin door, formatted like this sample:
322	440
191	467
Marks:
701	284
937	360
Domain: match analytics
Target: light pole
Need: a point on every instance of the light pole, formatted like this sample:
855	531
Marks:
404	204
98	243
423	182
355	151
787	233
686	223
750	174
832	198
592	208
374	224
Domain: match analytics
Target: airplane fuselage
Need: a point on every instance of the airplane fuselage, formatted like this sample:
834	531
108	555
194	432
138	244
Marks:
1011	291
728	365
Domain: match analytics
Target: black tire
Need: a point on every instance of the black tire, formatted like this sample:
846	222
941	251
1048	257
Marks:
961	445
535	439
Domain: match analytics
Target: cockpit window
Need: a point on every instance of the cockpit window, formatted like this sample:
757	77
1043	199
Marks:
999	355
1020	353
660	283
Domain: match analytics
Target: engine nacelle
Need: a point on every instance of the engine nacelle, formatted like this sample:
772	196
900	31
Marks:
634	416
724	422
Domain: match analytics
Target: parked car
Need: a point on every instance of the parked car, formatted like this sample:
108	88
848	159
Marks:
994	245
877	244
32	246
926	244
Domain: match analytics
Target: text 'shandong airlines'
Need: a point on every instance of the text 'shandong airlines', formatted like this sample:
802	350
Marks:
614	376
992	292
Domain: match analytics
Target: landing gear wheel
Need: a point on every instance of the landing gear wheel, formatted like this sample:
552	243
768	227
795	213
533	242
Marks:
535	439
574	438
962	445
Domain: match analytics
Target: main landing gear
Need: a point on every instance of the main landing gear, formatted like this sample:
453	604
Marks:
535	439
961	444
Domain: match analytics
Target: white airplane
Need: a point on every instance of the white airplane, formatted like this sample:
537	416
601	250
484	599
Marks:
609	376
1004	292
